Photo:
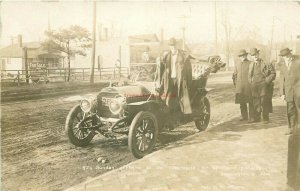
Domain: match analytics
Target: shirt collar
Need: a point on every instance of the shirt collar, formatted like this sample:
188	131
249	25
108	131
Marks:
175	53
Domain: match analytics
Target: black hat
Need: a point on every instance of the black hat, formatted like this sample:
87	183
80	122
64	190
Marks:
254	51
285	52
242	53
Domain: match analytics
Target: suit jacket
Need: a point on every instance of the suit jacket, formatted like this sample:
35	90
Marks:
269	74
290	79
240	78
183	78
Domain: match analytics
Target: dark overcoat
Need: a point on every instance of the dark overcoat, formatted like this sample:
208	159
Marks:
290	79
259	88
240	80
183	78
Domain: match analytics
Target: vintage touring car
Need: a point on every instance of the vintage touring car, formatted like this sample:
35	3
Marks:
135	111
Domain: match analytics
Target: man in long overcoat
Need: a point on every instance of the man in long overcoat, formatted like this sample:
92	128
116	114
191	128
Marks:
176	80
290	90
242	86
261	76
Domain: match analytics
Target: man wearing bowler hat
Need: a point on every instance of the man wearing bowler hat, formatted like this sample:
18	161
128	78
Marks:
290	90
261	76
175	82
242	86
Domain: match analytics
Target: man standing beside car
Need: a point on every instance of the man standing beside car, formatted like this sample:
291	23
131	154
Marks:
261	76
242	86
290	90
175	82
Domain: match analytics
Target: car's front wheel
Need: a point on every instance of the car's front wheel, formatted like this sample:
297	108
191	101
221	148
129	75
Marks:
77	127
142	134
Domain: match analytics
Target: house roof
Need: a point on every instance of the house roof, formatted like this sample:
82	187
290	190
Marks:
143	38
34	50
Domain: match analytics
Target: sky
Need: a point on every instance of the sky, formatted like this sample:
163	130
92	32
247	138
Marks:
31	18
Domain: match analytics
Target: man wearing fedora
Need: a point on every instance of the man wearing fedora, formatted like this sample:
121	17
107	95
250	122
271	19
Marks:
261	77
175	82
242	86
290	90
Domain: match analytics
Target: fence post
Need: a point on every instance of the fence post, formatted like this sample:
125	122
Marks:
83	74
18	77
100	73
65	75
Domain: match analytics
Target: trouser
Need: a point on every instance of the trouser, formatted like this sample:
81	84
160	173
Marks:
172	102
293	163
293	113
244	110
260	107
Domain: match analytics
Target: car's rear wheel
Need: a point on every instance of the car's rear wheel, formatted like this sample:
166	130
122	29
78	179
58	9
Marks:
77	127
142	134
203	117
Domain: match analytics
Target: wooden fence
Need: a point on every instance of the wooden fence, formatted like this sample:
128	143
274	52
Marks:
61	74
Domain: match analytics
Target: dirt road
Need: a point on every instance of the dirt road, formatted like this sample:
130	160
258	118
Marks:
36	154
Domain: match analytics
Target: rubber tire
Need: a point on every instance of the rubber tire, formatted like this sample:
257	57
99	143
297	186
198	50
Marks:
204	127
133	127
69	129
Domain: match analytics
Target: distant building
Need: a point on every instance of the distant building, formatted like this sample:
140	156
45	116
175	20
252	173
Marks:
149	44
11	57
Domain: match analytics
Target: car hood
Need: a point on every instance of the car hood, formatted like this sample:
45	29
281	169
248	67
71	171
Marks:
128	91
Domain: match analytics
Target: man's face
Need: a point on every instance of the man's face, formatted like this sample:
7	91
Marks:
286	58
173	49
255	57
243	58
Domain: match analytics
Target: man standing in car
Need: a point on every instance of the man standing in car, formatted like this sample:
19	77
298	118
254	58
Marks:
290	90
242	86
175	82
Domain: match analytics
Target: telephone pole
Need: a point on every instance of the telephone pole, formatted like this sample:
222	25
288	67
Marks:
216	29
184	17
93	44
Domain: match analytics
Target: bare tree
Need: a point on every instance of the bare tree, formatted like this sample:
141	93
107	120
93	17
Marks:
73	40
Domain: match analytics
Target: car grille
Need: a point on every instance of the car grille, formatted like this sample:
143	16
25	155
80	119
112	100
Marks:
104	110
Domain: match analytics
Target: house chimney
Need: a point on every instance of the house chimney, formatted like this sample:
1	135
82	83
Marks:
20	40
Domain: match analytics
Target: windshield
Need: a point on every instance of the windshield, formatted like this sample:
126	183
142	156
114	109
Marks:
143	73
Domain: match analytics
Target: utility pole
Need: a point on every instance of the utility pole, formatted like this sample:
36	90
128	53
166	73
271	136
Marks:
25	63
0	23
184	17
216	29
272	34
93	44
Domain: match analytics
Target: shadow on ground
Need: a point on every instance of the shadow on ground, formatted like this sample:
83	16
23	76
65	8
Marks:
231	130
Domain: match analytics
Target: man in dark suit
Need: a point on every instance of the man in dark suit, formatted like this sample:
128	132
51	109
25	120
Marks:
261	76
242	86
290	91
175	82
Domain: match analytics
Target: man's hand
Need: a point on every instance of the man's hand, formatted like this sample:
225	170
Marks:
157	89
282	97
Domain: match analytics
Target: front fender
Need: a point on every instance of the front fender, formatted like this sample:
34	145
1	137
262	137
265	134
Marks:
151	105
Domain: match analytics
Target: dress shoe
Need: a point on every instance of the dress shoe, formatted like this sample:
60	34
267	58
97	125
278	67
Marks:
266	120
254	120
288	132
243	119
